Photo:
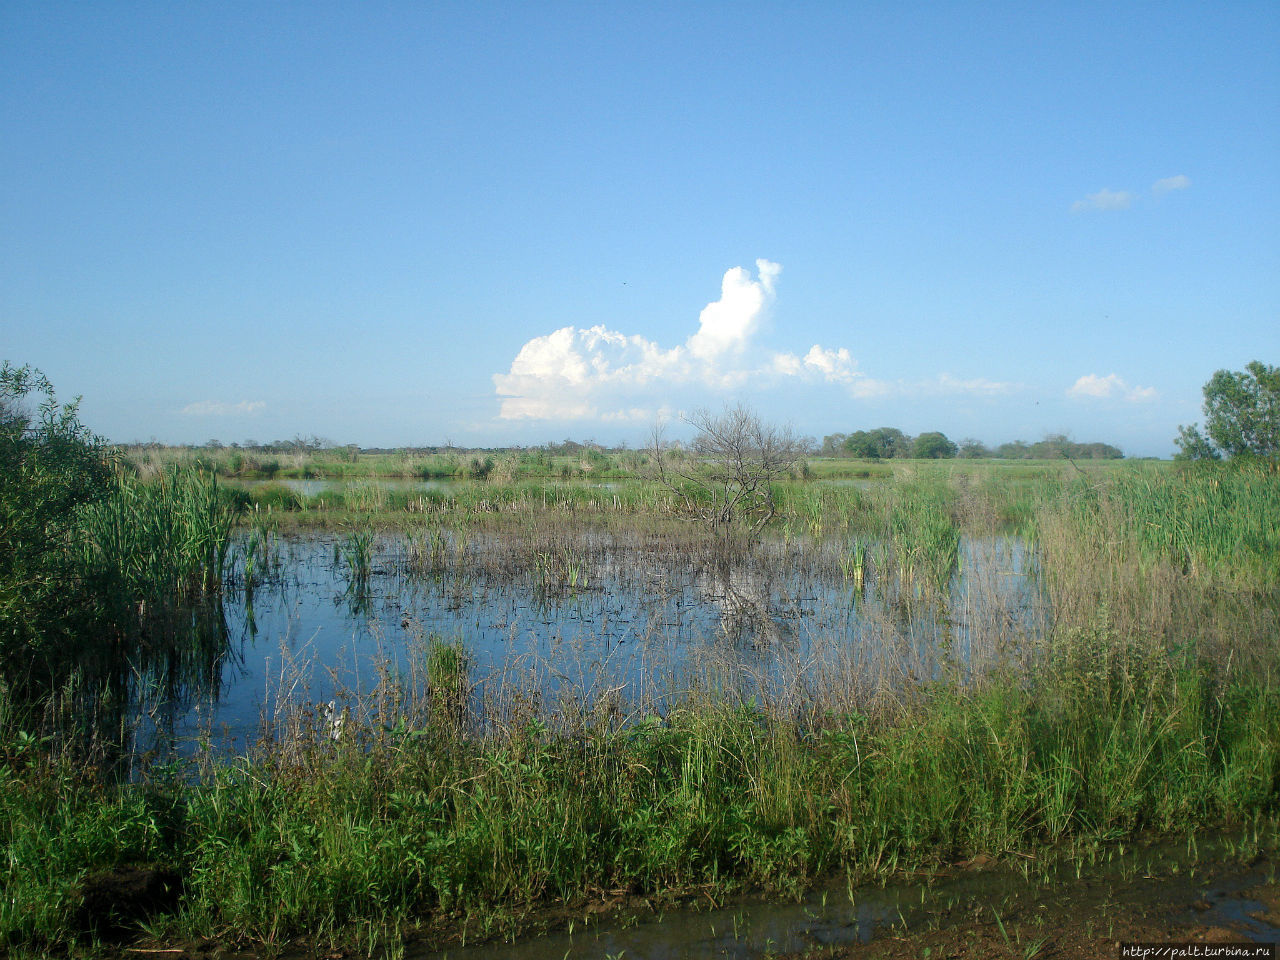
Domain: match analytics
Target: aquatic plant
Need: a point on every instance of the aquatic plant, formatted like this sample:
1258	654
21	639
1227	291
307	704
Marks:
448	667
357	557
560	570
853	564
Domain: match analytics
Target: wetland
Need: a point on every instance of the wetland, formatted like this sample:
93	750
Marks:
408	716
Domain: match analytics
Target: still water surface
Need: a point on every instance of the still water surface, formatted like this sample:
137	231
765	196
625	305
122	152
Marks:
607	618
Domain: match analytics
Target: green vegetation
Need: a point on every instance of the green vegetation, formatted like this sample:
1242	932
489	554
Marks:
1242	417
50	466
933	446
107	582
889	443
1143	702
415	821
306	461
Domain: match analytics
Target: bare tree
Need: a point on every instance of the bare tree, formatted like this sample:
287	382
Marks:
729	472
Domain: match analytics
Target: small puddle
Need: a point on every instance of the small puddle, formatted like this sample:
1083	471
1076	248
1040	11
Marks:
837	915
741	931
1221	906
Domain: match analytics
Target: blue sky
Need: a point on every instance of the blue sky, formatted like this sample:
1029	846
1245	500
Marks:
494	223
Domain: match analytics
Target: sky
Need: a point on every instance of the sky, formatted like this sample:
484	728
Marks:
401	224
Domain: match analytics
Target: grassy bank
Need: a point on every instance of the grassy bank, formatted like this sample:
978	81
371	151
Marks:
416	823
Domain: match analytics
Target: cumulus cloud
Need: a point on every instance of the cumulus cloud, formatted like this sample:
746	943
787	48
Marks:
834	366
559	376
1111	387
1104	199
215	408
575	373
1169	184
727	325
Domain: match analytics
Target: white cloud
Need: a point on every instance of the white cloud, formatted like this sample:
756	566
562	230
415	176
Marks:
726	325
576	373
1104	199
557	376
866	388
942	385
1168	184
1111	387
633	414
833	365
214	408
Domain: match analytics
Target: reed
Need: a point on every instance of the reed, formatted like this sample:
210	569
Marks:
448	666
163	541
154	556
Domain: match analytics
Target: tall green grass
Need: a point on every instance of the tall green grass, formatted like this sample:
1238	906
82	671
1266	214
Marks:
152	556
423	823
1223	519
160	542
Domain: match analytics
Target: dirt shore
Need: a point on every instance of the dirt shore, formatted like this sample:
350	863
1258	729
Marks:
1088	919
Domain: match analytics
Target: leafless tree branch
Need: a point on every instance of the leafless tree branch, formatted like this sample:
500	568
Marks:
736	460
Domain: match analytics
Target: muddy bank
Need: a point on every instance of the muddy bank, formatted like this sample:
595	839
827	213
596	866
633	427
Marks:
977	908
1228	903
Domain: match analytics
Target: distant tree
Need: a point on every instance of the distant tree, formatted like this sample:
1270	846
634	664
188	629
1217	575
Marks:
879	444
1057	446
1013	450
1097	451
933	446
1242	416
972	449
833	445
736	459
859	444
1053	447
899	444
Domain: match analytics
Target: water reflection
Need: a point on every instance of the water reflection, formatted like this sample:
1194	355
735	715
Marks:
782	620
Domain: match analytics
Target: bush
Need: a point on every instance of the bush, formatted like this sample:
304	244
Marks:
51	466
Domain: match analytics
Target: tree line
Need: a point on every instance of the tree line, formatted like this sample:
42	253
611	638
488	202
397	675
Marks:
888	443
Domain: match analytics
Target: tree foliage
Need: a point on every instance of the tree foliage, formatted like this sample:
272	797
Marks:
886	443
971	449
1242	416
1194	445
879	444
933	446
50	467
735	460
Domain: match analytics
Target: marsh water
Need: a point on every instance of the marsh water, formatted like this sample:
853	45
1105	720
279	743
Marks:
320	617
